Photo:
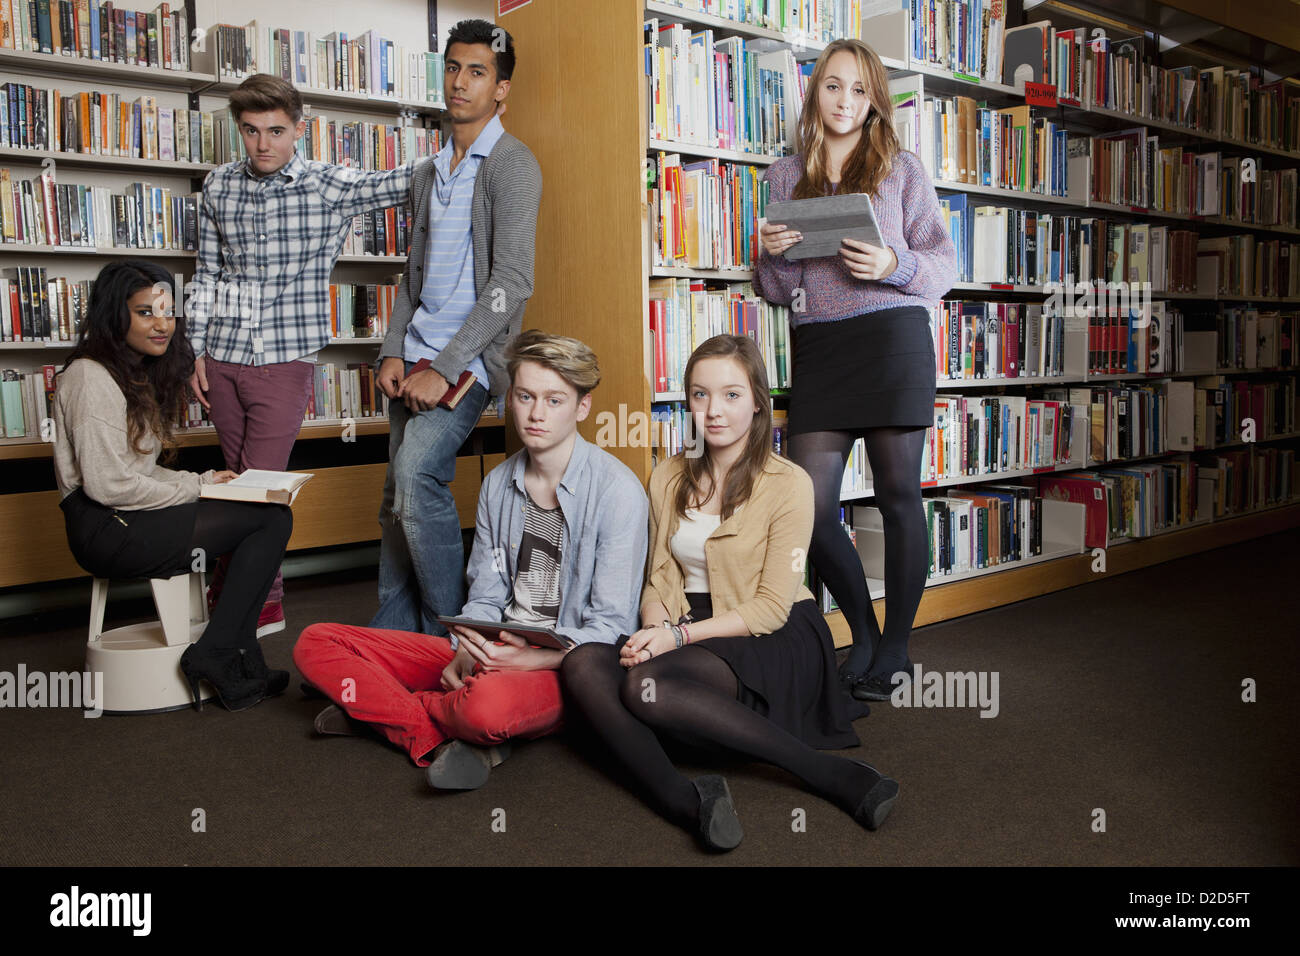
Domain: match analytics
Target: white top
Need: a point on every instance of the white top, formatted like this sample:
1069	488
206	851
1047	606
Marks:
688	548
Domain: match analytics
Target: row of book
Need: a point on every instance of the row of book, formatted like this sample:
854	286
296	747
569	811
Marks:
364	145
1002	245
1131	168
1089	69
98	31
978	339
35	306
27	403
964	36
1251	338
988	434
379	232
368	63
684	313
734	93
1245	479
960	141
103	124
705	214
362	311
41	211
983	526
813	21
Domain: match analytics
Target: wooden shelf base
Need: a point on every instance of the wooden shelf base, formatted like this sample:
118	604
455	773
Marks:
948	601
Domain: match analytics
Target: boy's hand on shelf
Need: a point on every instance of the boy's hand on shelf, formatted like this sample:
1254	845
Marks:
422	390
199	383
865	261
391	371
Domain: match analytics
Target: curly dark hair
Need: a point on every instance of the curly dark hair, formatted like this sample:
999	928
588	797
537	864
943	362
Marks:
155	386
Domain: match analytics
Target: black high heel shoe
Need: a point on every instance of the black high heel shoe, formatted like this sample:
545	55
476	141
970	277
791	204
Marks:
223	669
719	825
254	667
878	801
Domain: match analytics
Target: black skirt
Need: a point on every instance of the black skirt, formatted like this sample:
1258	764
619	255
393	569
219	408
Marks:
867	371
789	677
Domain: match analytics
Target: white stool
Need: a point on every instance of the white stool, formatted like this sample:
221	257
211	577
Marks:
141	662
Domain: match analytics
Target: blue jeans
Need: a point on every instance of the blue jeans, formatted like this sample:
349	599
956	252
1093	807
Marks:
421	558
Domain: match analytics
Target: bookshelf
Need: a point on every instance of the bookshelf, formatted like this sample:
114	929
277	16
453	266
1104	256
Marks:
594	263
354	470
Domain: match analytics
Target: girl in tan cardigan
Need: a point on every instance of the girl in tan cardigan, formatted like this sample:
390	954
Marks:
732	651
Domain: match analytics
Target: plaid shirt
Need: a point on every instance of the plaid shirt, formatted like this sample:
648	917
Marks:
266	249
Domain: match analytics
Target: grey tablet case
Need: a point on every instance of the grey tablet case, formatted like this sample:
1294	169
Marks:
824	222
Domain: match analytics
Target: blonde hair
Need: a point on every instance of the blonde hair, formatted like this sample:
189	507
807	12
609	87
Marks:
568	358
873	158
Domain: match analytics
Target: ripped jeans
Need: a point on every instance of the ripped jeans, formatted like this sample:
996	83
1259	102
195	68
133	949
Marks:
422	560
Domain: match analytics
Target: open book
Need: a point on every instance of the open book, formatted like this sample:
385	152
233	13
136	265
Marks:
271	487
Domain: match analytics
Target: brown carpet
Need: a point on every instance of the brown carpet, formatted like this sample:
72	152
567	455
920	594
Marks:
1123	695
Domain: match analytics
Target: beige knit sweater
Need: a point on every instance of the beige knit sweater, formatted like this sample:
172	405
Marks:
91	449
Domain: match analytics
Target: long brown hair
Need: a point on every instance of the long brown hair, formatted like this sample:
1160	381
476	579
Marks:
156	387
758	444
873	158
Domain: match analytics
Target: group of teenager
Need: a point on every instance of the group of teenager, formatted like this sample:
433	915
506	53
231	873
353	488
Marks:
683	610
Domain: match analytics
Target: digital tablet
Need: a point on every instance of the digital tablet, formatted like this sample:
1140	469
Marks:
824	222
541	636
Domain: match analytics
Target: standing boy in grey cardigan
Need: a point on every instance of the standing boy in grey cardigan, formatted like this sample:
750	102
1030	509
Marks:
468	276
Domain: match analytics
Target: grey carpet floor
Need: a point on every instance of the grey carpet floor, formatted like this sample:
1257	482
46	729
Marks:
1122	696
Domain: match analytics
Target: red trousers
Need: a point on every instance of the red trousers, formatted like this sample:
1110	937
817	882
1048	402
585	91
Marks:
392	679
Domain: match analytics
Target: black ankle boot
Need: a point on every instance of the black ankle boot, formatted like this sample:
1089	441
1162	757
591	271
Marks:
254	665
222	668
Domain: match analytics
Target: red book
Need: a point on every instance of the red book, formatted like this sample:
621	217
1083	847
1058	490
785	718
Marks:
454	394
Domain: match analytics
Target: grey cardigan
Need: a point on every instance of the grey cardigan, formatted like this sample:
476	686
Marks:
503	222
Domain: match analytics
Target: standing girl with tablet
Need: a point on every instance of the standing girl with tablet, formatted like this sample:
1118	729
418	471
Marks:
864	361
732	650
117	399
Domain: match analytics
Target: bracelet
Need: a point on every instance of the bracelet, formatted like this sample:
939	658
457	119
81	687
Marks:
686	631
677	634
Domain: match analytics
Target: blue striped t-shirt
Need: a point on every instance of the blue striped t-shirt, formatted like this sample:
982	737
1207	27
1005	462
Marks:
448	295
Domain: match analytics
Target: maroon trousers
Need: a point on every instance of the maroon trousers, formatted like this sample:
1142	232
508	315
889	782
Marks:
257	411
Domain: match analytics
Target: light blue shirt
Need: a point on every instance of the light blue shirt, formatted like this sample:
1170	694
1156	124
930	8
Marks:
602	552
448	295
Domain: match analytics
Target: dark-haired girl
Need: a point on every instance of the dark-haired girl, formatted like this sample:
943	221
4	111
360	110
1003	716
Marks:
864	364
732	651
117	399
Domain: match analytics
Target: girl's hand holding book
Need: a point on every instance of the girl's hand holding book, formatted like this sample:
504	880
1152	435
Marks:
867	262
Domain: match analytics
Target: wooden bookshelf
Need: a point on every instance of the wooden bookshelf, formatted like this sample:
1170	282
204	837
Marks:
593	264
340	506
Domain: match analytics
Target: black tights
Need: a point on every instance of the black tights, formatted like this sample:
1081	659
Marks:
255	536
895	457
691	694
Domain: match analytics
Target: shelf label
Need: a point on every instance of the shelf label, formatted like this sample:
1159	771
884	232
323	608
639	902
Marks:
1040	94
965	77
1002	286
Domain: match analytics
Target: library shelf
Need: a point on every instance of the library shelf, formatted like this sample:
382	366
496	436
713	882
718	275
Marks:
84	68
958	598
13	154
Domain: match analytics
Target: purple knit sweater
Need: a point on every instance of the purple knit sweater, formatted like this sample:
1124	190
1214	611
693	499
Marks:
907	211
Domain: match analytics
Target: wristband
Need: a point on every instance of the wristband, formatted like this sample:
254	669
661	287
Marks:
687	632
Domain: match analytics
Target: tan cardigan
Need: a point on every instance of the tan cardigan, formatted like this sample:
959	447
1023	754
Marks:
756	558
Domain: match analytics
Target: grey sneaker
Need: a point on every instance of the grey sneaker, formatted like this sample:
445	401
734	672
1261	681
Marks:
335	720
460	766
